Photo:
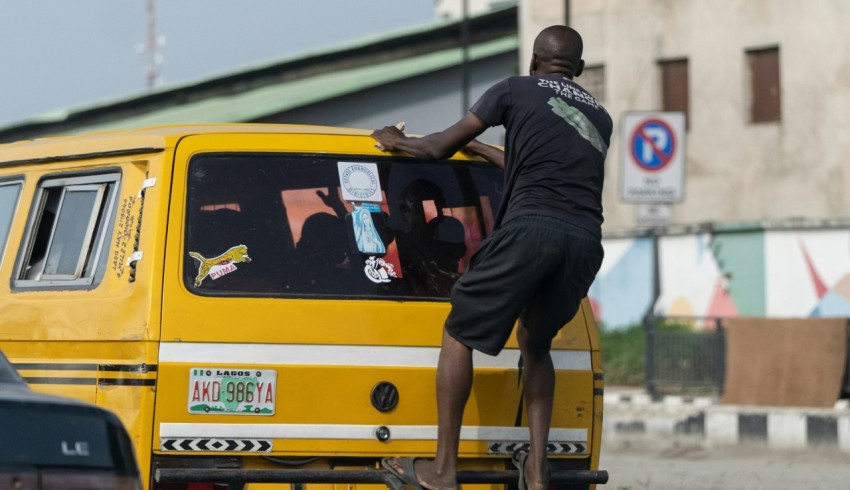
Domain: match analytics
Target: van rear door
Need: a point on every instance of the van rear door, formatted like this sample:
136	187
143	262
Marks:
306	285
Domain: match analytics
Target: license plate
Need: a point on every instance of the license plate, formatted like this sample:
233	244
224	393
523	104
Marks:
232	391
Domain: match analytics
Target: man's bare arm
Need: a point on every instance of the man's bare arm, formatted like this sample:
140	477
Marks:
433	146
488	152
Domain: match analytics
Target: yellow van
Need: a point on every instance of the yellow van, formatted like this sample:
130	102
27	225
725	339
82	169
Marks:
263	304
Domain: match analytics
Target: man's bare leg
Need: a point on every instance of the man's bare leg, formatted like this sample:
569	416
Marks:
538	379
454	383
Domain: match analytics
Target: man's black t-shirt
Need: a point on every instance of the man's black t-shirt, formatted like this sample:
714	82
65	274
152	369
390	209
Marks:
557	136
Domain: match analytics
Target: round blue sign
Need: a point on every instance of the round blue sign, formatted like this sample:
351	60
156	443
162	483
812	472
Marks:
653	144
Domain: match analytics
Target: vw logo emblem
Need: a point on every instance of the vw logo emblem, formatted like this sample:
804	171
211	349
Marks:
384	396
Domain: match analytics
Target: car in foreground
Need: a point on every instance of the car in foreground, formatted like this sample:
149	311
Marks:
50	442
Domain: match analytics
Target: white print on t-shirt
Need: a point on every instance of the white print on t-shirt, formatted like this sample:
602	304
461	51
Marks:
575	118
568	91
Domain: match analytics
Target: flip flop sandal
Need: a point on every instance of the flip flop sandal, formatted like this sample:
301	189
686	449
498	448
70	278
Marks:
409	474
519	461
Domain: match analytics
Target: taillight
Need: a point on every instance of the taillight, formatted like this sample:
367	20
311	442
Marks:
88	480
18	478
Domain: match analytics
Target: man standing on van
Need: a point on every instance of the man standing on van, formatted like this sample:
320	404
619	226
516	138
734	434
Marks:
543	254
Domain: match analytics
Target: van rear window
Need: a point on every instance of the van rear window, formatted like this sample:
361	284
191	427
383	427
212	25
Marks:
283	225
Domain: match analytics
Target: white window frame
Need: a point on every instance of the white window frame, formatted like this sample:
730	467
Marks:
4	234
32	275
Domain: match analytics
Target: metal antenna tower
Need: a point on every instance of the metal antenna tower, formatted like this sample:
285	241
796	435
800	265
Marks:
152	50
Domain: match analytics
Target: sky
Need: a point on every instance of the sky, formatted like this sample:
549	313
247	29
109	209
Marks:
63	54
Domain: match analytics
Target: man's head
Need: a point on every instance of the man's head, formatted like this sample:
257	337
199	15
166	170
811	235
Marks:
557	49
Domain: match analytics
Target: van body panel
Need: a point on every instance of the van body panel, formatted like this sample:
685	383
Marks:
94	344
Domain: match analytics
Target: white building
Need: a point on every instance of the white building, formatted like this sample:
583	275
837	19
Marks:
765	85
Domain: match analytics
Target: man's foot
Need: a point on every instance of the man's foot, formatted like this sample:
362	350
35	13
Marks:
419	473
536	474
532	476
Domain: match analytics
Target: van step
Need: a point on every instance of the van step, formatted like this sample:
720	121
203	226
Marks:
230	476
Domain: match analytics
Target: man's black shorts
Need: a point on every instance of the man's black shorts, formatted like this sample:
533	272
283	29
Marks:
534	268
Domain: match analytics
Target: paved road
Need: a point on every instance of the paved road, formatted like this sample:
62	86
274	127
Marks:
638	468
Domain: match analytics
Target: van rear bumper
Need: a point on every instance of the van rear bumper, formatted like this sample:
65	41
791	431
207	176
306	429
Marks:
242	476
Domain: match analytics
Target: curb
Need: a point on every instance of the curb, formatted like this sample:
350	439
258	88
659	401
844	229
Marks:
631	418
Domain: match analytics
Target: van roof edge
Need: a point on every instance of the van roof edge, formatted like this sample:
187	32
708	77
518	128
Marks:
83	156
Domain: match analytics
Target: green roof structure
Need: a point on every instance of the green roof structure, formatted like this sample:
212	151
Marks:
271	88
253	104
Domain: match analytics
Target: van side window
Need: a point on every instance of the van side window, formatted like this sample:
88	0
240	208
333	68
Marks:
67	230
9	192
281	225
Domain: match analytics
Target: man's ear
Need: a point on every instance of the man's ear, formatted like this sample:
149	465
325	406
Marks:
580	68
532	67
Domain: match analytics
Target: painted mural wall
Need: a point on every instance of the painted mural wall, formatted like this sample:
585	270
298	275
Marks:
780	273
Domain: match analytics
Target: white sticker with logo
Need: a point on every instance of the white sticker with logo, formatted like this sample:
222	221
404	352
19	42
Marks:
232	391
359	181
379	270
217	271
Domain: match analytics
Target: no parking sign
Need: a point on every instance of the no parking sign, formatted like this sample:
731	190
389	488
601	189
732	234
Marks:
653	156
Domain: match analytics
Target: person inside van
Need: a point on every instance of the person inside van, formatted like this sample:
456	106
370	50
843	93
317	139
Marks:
543	254
321	252
428	241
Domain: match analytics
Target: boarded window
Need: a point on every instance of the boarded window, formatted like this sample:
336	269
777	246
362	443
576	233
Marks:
592	79
764	85
674	86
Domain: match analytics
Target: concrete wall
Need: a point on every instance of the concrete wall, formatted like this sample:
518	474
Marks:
774	272
735	170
